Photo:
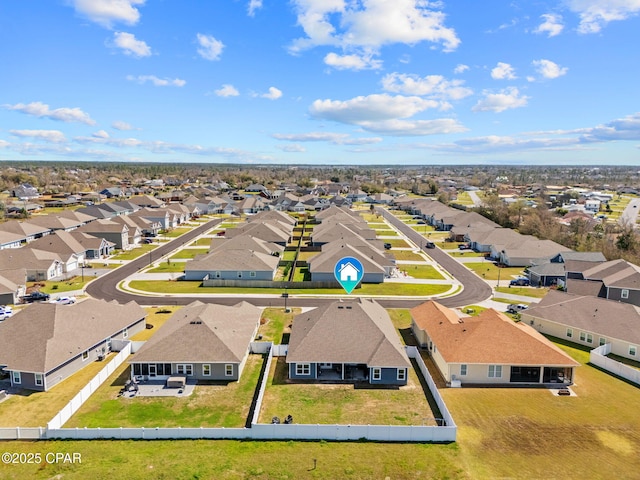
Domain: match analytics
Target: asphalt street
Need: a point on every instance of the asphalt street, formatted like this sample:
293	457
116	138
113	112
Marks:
106	286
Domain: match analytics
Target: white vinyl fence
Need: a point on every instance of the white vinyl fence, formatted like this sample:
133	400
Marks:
76	402
598	356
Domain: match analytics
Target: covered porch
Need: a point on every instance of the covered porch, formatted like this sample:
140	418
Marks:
348	372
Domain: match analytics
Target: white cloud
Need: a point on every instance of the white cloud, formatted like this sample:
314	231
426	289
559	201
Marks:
434	86
352	62
107	12
158	82
272	94
253	6
210	48
42	110
499	102
376	107
292	148
552	25
120	125
330	137
227	91
100	134
595	14
627	128
460	68
398	127
371	24
53	136
548	69
131	45
503	71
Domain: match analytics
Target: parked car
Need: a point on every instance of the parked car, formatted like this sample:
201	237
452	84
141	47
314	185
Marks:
421	222
519	282
36	296
63	300
387	245
147	241
5	312
516	307
464	246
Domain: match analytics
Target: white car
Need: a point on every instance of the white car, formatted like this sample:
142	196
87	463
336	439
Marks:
64	300
5	312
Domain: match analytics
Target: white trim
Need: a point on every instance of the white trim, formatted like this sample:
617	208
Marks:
39	376
206	369
376	373
85	355
228	369
463	369
569	332
125	332
16	377
184	369
401	374
303	369
634	349
495	371
624	293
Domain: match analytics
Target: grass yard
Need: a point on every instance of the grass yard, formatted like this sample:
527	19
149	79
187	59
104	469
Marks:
176	232
389	289
103	265
426	272
473	310
208	406
372	217
407	255
398	243
201	242
466	253
386	232
274	323
156	316
312	403
301	274
288	255
189	253
526	291
463	198
304	256
73	283
35	409
489	271
170	267
135	252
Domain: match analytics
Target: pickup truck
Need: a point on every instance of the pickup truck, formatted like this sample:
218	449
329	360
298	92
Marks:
36	297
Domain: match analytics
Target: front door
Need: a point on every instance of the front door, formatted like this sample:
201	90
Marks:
152	370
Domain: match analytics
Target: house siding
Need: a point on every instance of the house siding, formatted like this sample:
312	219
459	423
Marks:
28	381
614	293
389	376
312	372
420	335
229	275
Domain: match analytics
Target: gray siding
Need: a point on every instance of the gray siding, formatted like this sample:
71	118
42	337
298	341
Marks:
389	377
616	294
228	275
312	375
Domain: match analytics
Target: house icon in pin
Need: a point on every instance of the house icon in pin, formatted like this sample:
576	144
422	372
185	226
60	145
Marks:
348	273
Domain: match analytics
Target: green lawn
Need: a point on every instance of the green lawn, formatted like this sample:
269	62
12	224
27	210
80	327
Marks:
201	242
288	255
168	267
473	310
312	403
210	405
307	255
398	243
135	252
427	272
274	323
301	274
384	232
73	283
490	271
466	253
176	232
189	253
526	291
407	255
182	287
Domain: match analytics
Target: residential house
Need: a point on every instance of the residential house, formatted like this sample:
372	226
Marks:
12	285
10	240
156	216
42	345
39	265
146	201
55	222
135	233
200	341
230	263
347	341
64	244
376	264
26	191
94	247
489	348
269	231
26	230
111	231
587	320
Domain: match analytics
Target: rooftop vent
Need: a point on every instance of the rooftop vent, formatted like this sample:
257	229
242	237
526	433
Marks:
196	322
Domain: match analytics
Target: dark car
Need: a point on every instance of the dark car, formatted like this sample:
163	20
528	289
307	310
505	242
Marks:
387	246
147	240
36	297
519	282
430	245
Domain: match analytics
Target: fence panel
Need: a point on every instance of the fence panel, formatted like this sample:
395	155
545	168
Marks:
597	356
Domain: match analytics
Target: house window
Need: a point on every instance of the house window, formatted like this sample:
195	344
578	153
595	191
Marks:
602	341
589	338
624	293
632	350
85	355
495	371
206	370
185	369
39	379
583	337
125	332
239	274
228	370
463	370
303	369
569	332
402	374
376	373
17	378
252	274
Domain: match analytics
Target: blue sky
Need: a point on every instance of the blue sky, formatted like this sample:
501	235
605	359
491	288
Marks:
321	81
